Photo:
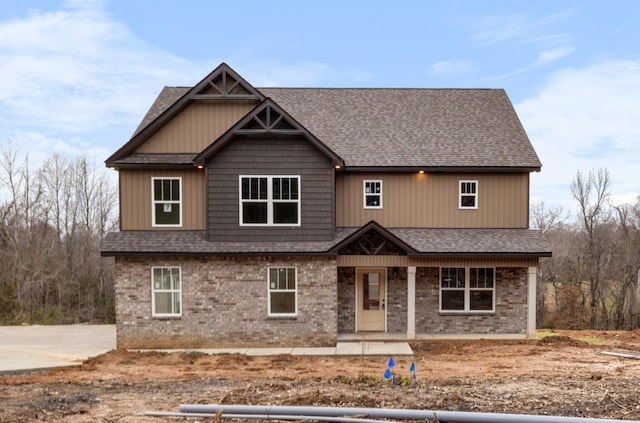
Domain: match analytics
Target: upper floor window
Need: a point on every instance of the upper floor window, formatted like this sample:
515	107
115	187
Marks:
468	195
166	291
167	201
269	200
282	291
372	194
467	289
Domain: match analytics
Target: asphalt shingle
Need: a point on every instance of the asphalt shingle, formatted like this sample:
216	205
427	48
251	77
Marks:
424	240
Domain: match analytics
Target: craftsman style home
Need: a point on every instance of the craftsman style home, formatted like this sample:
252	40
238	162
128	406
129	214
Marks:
301	216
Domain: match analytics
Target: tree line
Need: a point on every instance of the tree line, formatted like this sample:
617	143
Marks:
52	220
593	279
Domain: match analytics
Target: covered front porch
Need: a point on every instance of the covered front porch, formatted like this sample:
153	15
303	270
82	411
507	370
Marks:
396	284
382	298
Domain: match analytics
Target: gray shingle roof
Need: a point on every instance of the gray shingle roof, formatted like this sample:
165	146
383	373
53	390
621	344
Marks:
402	127
424	241
475	241
412	127
166	98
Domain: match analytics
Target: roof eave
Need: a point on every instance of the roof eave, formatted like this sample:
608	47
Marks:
444	169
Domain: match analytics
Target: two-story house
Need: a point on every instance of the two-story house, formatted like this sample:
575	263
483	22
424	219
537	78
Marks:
292	216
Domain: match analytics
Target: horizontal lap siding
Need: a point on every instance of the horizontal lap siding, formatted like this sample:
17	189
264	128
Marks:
270	156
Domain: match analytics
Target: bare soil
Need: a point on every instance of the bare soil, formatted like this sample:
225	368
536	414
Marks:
559	375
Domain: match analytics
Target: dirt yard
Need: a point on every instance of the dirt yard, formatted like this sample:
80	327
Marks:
559	375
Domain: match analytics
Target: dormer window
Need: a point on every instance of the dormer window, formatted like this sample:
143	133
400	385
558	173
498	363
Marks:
468	198
166	209
372	194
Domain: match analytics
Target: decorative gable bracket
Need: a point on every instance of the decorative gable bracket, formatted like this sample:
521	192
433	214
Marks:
224	83
371	240
268	119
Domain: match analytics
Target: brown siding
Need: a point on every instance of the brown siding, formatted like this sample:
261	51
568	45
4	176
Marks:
270	156
197	126
135	198
431	200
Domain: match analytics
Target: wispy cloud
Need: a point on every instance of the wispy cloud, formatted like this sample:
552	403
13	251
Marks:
583	119
451	68
536	40
77	69
269	73
513	27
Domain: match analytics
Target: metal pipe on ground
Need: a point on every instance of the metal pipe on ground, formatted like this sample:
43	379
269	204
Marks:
384	413
291	417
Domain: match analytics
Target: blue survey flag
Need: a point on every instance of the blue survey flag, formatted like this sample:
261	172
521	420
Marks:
391	362
387	374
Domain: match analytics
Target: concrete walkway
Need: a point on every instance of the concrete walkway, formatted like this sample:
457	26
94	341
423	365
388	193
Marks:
341	348
33	348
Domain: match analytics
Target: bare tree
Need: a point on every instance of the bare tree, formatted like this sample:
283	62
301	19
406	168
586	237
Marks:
51	224
592	194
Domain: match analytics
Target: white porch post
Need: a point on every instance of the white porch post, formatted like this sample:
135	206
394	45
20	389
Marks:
531	302
411	302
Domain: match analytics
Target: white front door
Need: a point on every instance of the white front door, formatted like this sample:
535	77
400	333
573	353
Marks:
371	299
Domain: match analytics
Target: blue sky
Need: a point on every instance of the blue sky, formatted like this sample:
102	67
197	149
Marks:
77	76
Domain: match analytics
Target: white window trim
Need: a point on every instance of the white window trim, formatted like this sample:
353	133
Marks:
467	291
269	291
154	202
364	193
460	194
153	291
270	200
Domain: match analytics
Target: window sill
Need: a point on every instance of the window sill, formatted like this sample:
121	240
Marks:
467	313
166	317
276	317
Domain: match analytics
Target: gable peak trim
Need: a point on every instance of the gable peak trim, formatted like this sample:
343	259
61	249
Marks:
388	241
224	83
269	119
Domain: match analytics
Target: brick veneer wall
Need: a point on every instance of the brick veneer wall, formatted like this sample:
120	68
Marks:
346	299
510	315
224	304
397	300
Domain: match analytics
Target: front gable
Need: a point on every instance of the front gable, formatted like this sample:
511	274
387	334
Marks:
265	121
177	109
372	240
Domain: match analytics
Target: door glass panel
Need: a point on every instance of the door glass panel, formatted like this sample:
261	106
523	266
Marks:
371	294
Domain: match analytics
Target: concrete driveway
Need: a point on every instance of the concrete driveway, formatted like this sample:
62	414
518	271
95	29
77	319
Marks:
29	348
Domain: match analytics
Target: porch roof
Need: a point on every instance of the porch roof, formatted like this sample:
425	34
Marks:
424	241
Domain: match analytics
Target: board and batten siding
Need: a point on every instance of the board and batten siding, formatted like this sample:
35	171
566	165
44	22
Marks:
430	200
270	156
135	198
196	127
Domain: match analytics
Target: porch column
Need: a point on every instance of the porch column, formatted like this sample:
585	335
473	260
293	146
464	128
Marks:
411	302
531	302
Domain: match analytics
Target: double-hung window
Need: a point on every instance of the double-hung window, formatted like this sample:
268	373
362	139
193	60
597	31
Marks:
468	195
167	201
166	292
282	291
372	194
270	200
467	289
